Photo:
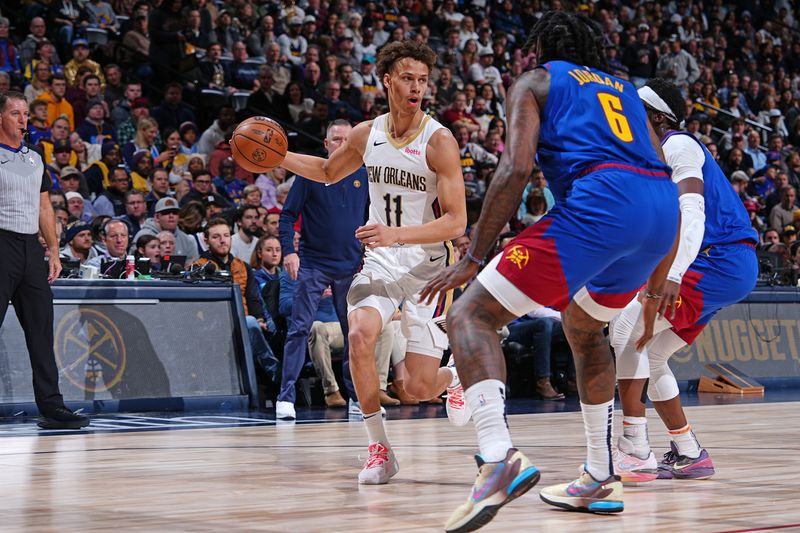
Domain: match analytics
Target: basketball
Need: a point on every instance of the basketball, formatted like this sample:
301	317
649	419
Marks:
259	144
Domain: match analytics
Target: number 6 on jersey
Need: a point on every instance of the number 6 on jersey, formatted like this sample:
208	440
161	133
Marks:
617	121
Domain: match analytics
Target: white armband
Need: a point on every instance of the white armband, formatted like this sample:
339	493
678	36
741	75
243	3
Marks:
693	226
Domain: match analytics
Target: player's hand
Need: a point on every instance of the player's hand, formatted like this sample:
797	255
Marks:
55	267
648	318
449	278
327	293
376	235
669	296
292	265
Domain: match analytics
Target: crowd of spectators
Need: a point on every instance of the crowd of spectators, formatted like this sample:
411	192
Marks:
132	101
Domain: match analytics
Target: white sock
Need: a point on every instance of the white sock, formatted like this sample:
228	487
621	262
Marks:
634	428
597	422
487	400
375	429
686	442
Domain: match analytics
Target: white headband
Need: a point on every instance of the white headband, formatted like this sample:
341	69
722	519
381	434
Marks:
652	99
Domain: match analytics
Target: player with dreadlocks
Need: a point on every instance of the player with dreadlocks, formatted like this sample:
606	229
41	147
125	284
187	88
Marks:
613	226
716	266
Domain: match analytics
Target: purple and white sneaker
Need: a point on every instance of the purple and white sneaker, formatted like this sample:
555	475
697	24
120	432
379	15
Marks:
679	466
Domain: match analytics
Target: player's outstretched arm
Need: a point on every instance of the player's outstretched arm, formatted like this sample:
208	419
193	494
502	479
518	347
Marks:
341	164
443	158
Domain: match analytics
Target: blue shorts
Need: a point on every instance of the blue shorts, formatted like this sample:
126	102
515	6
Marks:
606	238
720	276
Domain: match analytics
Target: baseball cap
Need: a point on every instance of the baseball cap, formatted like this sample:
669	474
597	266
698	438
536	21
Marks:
485	51
107	147
295	21
167	204
211	200
72	194
773	155
643	27
740	175
309	18
775	113
80	42
70	171
673	38
61	145
751	206
788	230
186	126
94	102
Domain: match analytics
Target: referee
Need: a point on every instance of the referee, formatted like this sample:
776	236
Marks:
24	274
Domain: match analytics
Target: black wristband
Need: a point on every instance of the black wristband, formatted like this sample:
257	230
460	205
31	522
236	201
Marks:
474	259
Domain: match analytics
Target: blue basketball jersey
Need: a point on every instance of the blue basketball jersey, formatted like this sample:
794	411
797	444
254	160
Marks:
591	118
727	220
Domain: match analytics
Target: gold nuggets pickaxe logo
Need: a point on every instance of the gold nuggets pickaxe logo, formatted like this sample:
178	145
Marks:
678	302
90	351
518	255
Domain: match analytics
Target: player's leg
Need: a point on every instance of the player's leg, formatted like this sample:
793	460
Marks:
634	462
504	473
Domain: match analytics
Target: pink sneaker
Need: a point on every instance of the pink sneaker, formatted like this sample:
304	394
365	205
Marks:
631	469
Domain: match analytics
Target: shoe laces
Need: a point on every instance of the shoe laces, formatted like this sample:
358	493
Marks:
378	454
670	457
455	397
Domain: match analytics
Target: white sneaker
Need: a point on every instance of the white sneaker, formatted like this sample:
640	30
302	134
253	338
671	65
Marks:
379	467
354	410
284	411
631	469
457	410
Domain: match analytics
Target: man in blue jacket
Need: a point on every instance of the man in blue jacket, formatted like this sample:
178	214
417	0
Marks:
329	254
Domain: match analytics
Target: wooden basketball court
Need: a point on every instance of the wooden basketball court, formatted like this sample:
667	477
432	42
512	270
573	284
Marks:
302	478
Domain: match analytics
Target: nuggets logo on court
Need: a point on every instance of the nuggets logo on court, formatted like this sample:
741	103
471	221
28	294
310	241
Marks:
90	351
259	155
518	255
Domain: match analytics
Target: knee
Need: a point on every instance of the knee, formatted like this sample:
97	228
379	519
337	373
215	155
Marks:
663	386
362	343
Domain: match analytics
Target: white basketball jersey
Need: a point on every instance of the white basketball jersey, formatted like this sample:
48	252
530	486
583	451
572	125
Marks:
402	189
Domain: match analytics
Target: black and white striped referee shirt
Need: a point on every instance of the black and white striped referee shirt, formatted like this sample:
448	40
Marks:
22	180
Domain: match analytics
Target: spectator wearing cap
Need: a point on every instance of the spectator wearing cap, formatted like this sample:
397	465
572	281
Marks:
173	111
166	219
782	214
78	208
69	180
756	221
80	58
111	202
789	235
142	166
485	72
775	121
346	53
123	110
98	173
90	89
57	105
366	79
292	43
63	156
740	182
95	129
677	66
227	34
78	245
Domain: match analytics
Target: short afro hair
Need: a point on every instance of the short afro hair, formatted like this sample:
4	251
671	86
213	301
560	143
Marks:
394	52
671	94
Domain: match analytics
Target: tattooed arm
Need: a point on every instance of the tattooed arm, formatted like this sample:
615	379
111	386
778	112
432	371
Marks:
526	99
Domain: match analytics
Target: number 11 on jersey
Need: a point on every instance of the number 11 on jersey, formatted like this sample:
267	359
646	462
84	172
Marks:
398	209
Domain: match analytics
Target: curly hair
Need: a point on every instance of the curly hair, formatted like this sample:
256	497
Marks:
394	52
671	95
569	37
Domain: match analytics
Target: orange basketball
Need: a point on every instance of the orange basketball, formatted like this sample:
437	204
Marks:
259	144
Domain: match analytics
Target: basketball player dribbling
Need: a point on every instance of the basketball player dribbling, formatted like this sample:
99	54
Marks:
417	205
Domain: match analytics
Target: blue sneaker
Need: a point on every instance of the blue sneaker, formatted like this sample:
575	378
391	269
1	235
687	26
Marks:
679	466
497	484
